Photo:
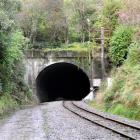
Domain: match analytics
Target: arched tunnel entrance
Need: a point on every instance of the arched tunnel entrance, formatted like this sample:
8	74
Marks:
62	81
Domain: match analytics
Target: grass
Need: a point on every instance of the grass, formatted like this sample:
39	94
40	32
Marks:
10	104
118	109
123	98
7	105
122	110
67	49
97	106
74	47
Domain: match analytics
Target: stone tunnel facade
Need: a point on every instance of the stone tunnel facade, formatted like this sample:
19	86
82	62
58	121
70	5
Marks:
36	61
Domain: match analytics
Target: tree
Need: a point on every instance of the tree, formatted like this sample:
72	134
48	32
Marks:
43	20
78	12
120	42
8	10
110	14
31	16
129	14
12	42
57	21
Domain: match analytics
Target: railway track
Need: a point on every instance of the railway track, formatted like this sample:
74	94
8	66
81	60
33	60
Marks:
128	131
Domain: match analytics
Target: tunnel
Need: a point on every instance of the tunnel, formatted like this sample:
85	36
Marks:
62	81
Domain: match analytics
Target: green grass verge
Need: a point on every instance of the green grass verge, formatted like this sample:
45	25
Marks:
7	105
74	47
118	109
123	97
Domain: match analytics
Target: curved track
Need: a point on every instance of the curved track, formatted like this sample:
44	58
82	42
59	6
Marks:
131	132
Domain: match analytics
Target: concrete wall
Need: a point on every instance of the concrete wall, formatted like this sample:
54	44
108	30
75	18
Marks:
37	60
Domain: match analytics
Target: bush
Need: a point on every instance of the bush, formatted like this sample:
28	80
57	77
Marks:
134	54
122	110
12	69
120	42
7	104
110	14
123	98
13	90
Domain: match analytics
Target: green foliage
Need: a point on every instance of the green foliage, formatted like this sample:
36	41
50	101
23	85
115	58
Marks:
120	42
52	26
13	90
107	18
118	109
123	98
124	111
13	52
12	67
134	51
8	10
74	47
110	14
7	104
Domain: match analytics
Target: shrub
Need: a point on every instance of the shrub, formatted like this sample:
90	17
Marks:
12	68
7	104
120	42
13	90
110	13
123	98
134	54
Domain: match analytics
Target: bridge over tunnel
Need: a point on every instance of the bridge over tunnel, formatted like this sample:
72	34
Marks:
62	81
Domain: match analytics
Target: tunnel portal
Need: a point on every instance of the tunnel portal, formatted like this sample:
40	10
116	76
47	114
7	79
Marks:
62	81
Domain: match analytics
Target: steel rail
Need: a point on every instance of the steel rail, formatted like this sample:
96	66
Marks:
107	118
100	124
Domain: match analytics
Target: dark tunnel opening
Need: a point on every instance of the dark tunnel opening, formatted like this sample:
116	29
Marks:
62	81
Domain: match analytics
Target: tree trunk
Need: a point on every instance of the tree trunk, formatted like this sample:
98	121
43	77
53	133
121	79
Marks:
102	54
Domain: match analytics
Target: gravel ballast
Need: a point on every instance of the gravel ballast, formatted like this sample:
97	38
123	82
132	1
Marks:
108	115
64	125
51	121
25	124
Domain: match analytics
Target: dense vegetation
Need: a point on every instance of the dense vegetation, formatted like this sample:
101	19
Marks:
48	24
119	43
72	25
57	22
123	97
13	90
